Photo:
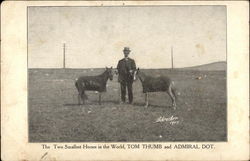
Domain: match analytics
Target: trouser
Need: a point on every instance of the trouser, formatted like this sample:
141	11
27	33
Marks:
128	85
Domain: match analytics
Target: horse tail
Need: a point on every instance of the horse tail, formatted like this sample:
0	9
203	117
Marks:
173	89
80	89
79	86
76	84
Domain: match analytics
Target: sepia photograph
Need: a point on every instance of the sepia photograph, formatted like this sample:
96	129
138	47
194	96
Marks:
127	73
124	80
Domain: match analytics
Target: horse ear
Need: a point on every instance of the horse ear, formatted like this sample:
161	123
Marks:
138	69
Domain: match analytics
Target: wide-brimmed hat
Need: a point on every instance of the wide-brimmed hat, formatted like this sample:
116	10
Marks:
126	49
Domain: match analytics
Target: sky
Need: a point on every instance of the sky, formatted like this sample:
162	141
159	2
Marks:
95	36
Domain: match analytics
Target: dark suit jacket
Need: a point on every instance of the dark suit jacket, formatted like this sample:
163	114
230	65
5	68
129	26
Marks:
123	67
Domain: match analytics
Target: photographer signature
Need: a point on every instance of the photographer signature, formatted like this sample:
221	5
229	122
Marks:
172	120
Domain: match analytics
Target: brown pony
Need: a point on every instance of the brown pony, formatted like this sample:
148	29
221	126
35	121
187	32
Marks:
156	84
93	83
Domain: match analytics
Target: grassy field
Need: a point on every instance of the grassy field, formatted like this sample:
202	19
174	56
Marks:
54	115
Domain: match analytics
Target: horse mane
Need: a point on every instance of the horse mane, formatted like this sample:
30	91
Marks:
104	75
142	76
103	72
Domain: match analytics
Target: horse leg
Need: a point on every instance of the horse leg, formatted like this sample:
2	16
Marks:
83	96
79	93
170	93
119	94
100	98
146	99
79	99
86	97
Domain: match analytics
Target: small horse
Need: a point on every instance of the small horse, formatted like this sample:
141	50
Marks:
93	83
156	84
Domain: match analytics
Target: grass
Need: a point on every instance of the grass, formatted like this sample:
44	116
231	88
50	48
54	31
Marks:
54	115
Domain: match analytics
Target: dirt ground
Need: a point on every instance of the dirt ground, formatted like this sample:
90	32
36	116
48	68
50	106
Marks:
54	115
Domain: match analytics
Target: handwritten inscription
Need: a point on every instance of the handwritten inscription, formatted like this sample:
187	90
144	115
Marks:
173	120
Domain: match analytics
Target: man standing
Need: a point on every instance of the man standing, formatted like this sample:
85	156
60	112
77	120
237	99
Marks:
125	69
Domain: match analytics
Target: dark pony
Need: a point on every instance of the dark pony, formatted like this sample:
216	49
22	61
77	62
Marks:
93	83
156	84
